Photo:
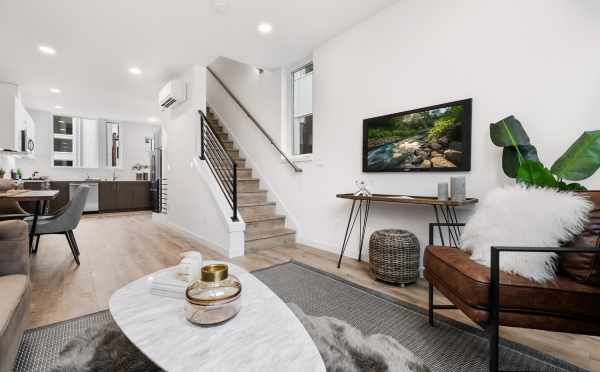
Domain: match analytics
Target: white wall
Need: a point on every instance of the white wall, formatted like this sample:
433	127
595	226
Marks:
192	206
132	145
534	59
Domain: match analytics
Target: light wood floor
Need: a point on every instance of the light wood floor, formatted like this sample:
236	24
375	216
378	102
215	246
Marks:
118	248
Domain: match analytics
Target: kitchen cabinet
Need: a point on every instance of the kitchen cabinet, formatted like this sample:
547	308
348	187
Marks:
17	132
124	196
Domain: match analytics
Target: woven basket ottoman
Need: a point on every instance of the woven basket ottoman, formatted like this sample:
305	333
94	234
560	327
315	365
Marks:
394	256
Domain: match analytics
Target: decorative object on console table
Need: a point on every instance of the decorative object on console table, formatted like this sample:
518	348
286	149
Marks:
443	191
442	209
458	189
394	256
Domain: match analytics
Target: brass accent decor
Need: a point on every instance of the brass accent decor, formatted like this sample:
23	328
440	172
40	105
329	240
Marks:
215	298
214	273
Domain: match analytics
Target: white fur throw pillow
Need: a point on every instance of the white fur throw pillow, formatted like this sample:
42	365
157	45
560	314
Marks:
525	217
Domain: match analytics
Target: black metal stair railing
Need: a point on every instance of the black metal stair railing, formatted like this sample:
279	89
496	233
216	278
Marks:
220	162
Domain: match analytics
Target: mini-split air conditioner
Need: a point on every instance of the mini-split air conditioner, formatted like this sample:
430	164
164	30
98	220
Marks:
174	92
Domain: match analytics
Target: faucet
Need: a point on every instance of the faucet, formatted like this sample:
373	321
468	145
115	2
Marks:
35	173
115	174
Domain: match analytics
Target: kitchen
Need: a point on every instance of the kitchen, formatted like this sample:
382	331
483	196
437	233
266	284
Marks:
46	150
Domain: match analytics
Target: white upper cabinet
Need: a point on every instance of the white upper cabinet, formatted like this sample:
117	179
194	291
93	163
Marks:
17	129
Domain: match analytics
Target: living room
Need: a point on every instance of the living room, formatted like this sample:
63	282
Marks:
309	162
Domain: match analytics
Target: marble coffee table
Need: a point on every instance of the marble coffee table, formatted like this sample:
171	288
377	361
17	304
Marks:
264	336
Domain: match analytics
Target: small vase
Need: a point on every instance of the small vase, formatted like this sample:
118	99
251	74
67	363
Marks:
458	189
443	191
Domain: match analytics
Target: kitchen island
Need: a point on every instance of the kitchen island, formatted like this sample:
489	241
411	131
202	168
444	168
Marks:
112	196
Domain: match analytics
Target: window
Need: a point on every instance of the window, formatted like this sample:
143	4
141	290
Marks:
302	110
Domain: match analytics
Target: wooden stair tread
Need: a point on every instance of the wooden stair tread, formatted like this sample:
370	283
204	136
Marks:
255	204
260	235
252	192
265	217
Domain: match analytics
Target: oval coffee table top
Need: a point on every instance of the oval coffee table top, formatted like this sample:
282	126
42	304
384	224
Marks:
264	336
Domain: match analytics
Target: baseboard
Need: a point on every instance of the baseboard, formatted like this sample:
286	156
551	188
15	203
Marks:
197	238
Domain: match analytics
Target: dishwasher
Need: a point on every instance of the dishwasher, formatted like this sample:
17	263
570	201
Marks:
91	203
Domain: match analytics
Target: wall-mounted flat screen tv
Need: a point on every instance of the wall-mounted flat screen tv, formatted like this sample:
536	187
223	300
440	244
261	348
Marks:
435	138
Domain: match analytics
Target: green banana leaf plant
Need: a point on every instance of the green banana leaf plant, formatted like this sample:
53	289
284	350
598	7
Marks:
520	158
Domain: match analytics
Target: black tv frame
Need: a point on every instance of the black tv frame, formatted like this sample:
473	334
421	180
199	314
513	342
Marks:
466	140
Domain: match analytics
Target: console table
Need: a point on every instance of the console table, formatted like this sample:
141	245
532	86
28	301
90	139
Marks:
445	210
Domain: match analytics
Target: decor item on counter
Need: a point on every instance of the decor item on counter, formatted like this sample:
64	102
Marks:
13	174
520	158
458	189
189	267
435	138
2	173
362	188
443	191
215	298
19	174
394	256
138	168
525	217
146	174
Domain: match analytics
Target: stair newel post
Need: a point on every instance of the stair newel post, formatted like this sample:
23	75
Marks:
202	136
235	217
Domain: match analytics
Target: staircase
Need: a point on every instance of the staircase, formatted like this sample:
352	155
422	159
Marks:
265	229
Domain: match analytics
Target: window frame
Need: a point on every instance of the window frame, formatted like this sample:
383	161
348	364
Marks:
292	117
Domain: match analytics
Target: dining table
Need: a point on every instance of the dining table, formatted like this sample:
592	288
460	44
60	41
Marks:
40	197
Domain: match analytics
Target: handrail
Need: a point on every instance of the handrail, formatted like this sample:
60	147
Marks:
220	162
260	127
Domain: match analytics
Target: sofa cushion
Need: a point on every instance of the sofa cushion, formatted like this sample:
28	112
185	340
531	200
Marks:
13	289
469	282
14	308
585	267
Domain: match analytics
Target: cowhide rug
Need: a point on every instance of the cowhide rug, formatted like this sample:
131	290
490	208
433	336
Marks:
343	348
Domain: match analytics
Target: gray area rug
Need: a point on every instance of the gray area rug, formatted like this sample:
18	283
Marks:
451	346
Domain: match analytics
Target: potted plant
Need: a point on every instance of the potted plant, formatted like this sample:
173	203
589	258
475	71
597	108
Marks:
2	173
138	171
520	158
19	174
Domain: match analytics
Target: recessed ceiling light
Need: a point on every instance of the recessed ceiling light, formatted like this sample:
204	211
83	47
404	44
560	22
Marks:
135	70
265	28
45	49
153	119
58	107
55	90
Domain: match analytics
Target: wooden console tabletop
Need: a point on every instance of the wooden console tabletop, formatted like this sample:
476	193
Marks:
408	199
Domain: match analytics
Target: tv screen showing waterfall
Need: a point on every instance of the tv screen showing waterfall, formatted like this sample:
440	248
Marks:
435	138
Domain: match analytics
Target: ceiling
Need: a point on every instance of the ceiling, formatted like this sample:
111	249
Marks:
98	41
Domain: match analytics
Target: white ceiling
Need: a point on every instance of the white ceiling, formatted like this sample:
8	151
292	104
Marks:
97	41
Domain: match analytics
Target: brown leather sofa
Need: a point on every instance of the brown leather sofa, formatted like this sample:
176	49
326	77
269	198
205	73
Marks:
15	289
492	298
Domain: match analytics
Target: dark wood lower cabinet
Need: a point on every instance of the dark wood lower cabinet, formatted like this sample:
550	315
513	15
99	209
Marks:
124	196
116	196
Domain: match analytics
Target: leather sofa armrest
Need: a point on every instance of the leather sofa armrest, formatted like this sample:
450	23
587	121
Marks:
14	251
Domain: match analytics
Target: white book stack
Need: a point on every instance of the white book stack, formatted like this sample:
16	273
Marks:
166	284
